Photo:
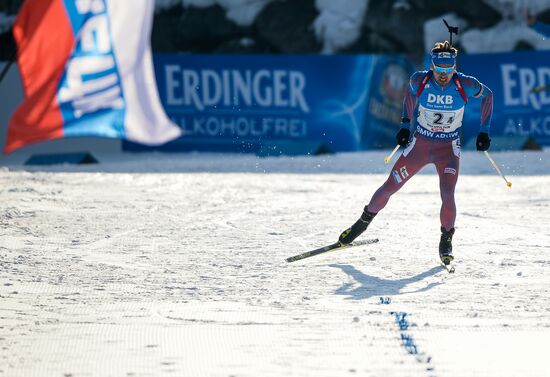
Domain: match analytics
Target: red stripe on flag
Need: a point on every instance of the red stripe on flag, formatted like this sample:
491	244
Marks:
45	40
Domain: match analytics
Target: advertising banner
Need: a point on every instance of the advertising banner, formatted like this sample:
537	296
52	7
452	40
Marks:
389	80
520	83
250	103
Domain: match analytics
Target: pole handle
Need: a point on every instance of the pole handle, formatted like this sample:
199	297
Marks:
387	159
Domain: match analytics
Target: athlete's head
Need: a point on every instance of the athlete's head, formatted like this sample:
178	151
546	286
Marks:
443	62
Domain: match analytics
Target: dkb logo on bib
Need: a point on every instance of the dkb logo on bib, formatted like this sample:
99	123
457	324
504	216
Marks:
440	99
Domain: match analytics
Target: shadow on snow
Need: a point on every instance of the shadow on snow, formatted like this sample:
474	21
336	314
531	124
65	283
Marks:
374	286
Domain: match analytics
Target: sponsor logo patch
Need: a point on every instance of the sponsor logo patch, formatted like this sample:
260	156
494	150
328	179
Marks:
400	175
404	173
450	171
440	99
396	176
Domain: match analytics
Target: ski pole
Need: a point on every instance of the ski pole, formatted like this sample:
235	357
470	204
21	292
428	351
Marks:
508	183
387	159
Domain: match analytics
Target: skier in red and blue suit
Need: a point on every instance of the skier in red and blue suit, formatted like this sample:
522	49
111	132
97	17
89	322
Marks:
439	97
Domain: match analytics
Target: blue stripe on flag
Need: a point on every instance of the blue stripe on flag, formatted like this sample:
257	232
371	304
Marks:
102	124
75	17
90	93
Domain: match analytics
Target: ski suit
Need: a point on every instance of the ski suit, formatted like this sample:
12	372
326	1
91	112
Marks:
435	136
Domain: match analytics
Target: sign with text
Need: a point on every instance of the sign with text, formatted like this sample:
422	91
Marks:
520	83
240	103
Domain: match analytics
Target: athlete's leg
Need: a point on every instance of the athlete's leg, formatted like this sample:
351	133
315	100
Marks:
447	166
415	156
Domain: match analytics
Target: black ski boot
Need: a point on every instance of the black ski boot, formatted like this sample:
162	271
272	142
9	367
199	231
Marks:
356	229
446	246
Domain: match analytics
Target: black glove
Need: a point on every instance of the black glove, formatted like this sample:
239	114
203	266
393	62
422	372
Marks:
483	141
402	136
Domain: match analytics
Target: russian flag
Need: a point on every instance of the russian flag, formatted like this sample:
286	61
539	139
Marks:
87	70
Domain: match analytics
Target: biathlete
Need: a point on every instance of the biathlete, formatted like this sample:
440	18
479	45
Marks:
440	94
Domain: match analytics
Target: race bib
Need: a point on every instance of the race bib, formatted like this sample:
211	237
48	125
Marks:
440	120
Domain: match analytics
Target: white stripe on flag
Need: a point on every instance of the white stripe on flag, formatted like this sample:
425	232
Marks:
131	23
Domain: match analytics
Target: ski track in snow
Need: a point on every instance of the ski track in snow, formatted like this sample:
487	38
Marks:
164	273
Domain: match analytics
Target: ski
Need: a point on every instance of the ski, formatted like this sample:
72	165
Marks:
334	246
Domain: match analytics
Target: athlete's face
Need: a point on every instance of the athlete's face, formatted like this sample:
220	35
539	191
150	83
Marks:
443	75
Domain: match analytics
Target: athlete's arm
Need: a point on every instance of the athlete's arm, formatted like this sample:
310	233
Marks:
486	108
475	89
409	103
410	99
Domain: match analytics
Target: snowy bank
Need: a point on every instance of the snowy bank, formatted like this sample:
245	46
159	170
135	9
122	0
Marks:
368	162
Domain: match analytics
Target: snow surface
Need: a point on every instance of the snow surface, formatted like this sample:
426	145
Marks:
338	24
153	265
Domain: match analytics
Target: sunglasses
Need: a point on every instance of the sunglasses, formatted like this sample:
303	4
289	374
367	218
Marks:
439	69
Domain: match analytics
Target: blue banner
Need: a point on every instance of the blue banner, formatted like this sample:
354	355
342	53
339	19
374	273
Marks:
243	103
389	81
520	83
